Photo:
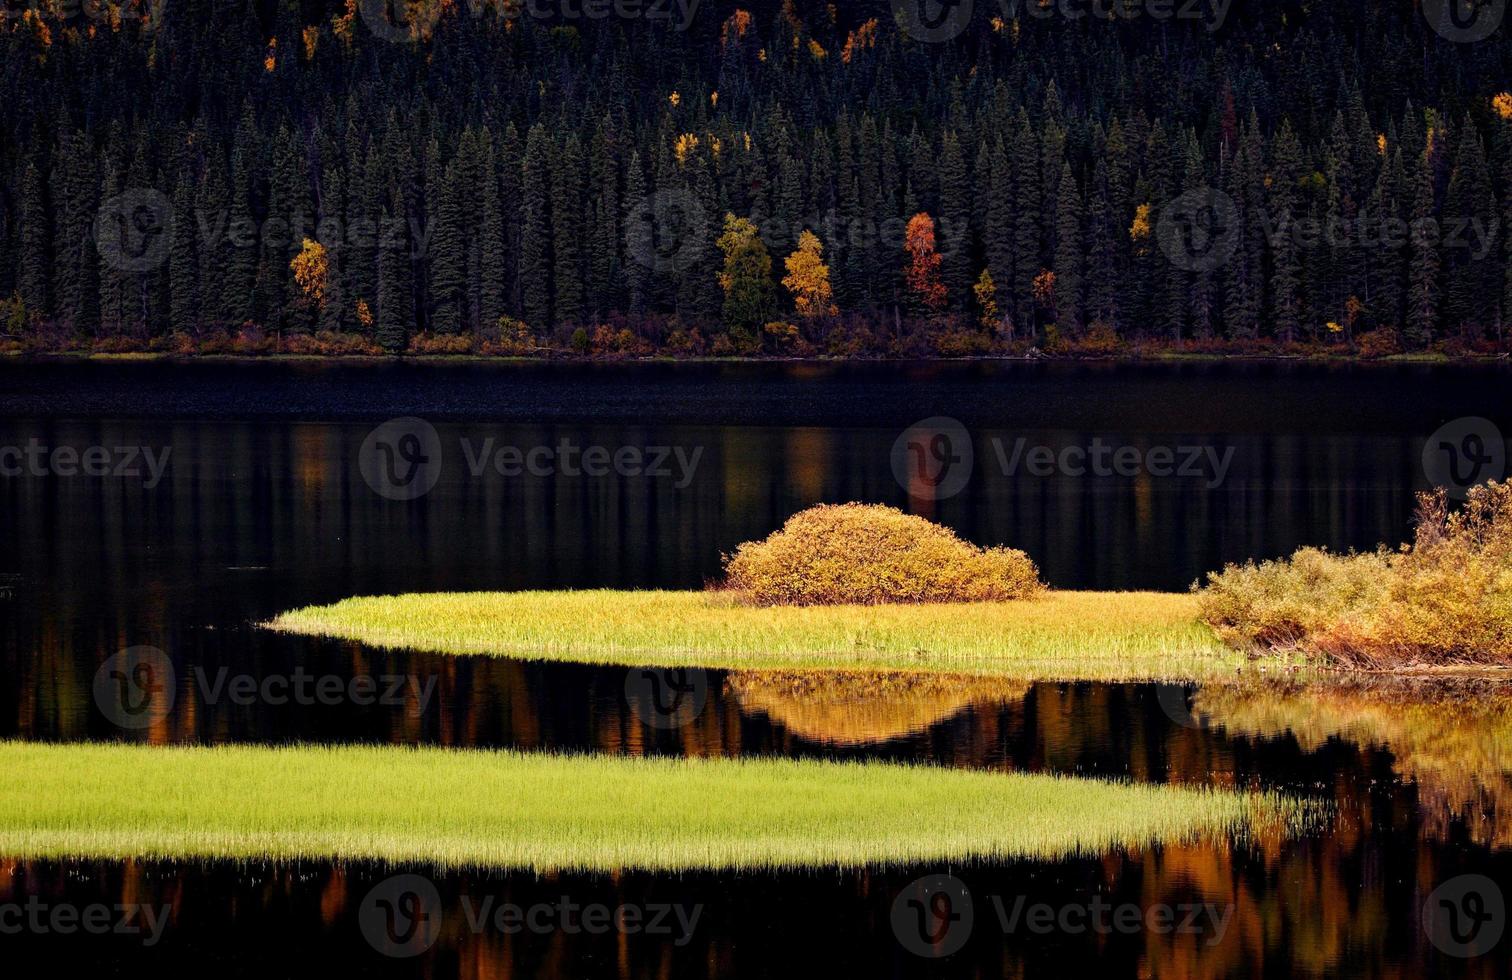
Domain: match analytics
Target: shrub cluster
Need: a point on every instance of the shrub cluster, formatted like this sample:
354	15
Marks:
867	554
1445	598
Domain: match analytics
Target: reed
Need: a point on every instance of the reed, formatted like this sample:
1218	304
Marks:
1053	636
504	809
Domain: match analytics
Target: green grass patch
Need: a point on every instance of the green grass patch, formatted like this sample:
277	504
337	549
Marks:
539	811
1053	636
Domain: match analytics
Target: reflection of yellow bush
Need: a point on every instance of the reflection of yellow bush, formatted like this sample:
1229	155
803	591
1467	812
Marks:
868	554
861	708
1453	737
1446	598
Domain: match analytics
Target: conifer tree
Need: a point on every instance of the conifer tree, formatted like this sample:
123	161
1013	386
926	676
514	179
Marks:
535	230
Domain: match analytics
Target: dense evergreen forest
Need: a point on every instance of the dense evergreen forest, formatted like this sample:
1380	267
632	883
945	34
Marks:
624	177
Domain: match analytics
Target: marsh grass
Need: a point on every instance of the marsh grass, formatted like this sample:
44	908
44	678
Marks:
1054	636
503	809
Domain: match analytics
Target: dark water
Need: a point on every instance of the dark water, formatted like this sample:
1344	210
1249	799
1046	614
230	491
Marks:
263	505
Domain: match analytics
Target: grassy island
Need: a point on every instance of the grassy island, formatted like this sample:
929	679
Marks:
1053	636
540	811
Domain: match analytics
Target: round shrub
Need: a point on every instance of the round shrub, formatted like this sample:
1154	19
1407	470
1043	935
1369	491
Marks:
867	554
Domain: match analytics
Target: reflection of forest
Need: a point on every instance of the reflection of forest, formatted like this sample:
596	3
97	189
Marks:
1452	736
1346	903
862	708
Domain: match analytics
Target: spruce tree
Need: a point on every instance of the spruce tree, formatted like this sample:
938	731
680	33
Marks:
535	230
567	227
31	275
1068	255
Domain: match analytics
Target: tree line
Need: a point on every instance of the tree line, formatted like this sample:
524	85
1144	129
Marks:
788	176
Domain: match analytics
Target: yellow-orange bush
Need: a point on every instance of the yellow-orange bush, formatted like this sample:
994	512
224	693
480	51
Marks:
867	554
1446	598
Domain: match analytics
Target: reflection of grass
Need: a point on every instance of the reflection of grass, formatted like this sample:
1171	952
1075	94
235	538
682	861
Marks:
506	809
1453	737
1060	635
860	708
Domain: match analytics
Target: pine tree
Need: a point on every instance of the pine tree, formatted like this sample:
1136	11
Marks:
183	263
493	261
1469	217
1422	286
535	229
1102	274
604	234
955	221
1068	255
997	232
242	229
31	277
395	311
1026	236
567	226
640	246
448	259
1286	302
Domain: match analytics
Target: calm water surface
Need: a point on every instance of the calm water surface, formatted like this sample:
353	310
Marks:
263	505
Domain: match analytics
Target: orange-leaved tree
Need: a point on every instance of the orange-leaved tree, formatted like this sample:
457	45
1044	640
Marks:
923	273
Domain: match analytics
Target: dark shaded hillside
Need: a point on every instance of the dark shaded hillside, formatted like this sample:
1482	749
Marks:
191	175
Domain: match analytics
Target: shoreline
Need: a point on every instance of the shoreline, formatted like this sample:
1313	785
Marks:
1423	358
1058	636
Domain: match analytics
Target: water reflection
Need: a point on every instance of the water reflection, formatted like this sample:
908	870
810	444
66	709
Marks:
251	519
1271	908
851	709
1449	736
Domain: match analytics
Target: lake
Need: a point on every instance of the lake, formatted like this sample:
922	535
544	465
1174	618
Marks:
176	506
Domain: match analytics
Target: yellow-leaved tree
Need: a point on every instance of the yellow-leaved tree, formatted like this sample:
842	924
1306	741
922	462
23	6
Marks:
808	278
311	267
